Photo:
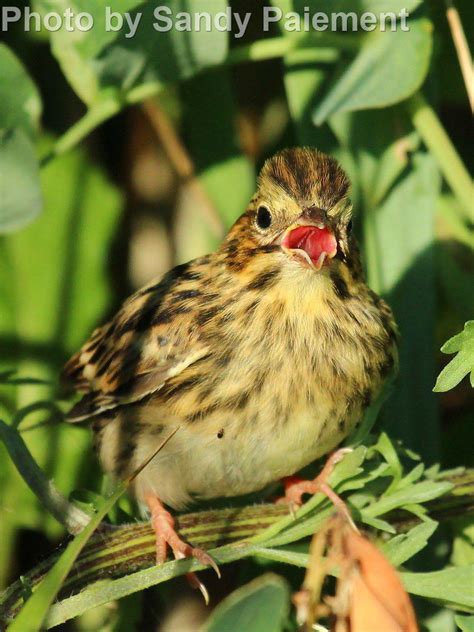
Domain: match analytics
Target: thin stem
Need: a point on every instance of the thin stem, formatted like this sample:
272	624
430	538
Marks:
438	142
67	514
462	49
281	46
98	113
257	51
182	163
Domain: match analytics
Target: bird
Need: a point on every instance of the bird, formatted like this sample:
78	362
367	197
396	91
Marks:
260	357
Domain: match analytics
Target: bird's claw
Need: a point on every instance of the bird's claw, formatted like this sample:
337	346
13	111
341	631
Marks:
206	559
163	525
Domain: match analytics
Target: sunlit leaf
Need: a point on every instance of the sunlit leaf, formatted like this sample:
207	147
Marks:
465	623
463	345
21	106
389	68
20	195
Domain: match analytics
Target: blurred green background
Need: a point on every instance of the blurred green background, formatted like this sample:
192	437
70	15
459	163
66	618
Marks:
122	157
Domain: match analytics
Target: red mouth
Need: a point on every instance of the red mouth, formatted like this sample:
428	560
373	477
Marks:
317	243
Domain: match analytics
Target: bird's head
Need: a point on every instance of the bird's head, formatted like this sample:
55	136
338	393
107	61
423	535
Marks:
301	209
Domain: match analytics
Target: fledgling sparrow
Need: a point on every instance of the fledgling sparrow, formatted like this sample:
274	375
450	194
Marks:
264	353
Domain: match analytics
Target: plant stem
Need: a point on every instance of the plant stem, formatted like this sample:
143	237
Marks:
371	248
462	49
438	142
128	551
281	46
182	163
97	114
73	518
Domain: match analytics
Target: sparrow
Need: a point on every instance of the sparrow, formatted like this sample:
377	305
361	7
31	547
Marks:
261	356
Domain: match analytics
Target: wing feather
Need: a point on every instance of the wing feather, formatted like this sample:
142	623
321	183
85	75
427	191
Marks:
151	339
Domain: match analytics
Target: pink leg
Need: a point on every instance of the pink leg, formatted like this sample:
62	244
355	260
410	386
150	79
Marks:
295	487
164	527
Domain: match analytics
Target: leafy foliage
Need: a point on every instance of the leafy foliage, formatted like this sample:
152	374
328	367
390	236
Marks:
224	106
463	345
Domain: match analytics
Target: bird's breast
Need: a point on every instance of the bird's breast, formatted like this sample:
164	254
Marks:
289	374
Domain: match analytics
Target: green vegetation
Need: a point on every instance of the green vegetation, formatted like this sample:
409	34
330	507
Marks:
122	156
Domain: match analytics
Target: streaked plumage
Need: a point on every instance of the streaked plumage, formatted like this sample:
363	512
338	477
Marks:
265	362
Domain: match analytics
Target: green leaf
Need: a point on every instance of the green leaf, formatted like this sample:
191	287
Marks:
466	624
102	61
451	586
389	68
418	493
386	448
213	141
20	103
450	212
285	556
404	546
20	194
463	544
74	235
362	6
463	345
20	109
400	238
377	523
261	605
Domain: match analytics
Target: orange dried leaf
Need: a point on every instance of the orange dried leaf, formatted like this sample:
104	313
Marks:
369	594
376	597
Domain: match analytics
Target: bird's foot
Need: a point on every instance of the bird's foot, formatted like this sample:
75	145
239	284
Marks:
295	487
163	525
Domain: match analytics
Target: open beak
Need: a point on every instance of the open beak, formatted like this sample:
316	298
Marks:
313	243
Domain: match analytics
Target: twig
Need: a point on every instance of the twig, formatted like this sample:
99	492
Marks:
462	49
182	163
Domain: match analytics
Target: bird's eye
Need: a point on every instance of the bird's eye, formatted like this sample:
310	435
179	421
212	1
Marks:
264	217
349	227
